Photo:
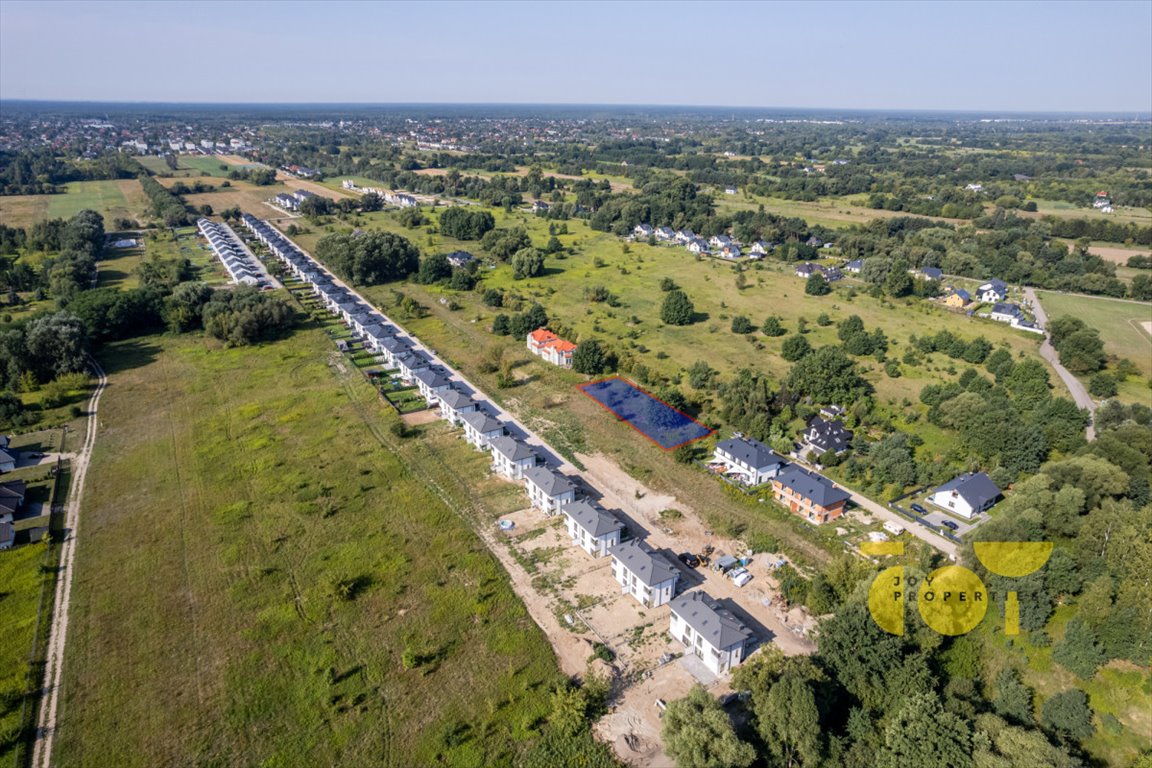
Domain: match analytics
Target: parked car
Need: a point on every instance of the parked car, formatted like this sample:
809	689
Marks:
740	576
950	525
689	559
919	509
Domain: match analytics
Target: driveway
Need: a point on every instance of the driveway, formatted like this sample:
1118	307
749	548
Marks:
1048	352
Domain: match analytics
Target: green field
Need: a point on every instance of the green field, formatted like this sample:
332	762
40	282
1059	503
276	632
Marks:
189	166
1120	326
112	199
22	585
239	492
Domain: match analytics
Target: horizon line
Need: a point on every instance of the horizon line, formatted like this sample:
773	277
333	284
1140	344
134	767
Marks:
620	105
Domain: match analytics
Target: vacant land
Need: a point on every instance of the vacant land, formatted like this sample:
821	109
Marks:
112	199
1122	326
22	583
263	581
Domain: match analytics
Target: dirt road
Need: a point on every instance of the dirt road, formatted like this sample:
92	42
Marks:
1048	352
58	633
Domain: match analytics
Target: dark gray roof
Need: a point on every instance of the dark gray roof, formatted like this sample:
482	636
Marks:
395	344
434	377
976	488
377	332
482	422
646	565
414	360
752	452
511	448
811	486
827	435
455	399
552	483
715	624
1006	309
596	521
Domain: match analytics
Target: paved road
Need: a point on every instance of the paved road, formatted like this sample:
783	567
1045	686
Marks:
1048	352
58	632
947	546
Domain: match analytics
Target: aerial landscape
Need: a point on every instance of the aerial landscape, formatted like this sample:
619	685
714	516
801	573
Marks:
471	384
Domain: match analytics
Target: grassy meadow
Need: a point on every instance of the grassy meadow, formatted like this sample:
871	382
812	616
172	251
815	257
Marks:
23	584
1121	327
123	198
269	577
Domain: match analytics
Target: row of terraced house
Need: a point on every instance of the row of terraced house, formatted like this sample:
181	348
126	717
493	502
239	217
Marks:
706	628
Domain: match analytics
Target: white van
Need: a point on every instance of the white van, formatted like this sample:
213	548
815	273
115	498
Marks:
893	528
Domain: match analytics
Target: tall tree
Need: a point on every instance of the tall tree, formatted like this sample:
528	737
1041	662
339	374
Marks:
698	734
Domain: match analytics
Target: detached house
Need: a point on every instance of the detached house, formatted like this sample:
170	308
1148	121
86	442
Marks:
929	273
459	258
594	530
697	245
854	266
647	576
548	491
1006	313
958	299
966	495
719	241
809	495
510	457
807	269
480	428
751	460
665	233
454	404
992	291
710	632
730	252
543	343
643	231
823	435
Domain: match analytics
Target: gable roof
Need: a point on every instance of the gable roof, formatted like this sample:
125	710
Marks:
715	624
649	567
13	489
596	521
975	488
482	422
994	284
828	434
1006	309
551	483
935	273
434	377
750	451
811	486
511	448
963	294
6	457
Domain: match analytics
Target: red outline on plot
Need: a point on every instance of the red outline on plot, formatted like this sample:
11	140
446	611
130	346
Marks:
708	433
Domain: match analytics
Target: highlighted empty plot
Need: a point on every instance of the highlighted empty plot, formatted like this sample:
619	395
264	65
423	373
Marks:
648	415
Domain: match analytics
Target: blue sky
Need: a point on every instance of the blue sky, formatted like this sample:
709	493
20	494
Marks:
985	56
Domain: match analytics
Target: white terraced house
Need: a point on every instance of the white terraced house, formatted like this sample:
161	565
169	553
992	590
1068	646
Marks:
454	404
480	429
547	490
647	576
510	457
592	529
750	460
709	631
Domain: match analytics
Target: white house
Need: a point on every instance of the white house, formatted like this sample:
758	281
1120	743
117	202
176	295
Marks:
697	246
719	241
750	459
665	233
760	248
592	529
966	495
647	576
1006	313
454	404
730	252
643	231
433	382
510	457
710	632
480	428
992	291
547	490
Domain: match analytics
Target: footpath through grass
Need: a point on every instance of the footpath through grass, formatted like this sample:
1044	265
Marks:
267	577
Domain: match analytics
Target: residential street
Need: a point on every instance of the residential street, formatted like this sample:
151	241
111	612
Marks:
1048	352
